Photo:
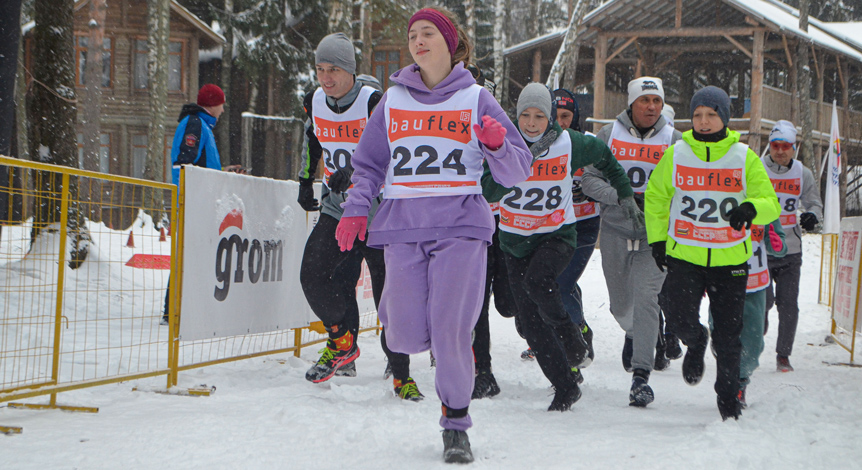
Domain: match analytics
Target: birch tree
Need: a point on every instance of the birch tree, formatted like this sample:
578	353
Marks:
567	57
804	87
499	44
158	25
223	131
92	94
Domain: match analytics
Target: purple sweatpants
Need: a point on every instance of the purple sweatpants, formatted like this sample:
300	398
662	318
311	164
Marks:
432	299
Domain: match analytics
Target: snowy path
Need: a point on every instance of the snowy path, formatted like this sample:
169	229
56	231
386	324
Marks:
264	415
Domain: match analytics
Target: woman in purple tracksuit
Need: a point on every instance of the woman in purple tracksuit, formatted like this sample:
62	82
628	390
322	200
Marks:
425	143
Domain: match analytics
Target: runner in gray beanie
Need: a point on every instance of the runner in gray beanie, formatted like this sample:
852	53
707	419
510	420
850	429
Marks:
536	95
715	98
336	49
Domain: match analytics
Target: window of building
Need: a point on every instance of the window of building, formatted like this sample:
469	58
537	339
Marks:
385	63
139	154
175	64
104	151
81	60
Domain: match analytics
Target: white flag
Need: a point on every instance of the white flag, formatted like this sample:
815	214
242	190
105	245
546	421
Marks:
832	204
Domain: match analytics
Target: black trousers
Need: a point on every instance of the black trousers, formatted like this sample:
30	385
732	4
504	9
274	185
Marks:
533	280
680	298
328	277
496	281
785	274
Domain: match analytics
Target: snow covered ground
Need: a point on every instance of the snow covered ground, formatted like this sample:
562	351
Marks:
264	415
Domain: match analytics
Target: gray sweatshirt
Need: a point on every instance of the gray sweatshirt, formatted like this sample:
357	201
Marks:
614	218
810	201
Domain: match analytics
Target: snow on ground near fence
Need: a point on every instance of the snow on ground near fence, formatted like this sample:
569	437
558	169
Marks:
264	415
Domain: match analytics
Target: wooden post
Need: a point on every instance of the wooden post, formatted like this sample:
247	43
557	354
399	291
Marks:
599	79
756	92
537	65
795	95
678	20
844	74
818	155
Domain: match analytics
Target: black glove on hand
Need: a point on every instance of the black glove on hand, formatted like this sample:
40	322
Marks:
578	195
742	216
808	221
639	200
659	254
306	198
340	180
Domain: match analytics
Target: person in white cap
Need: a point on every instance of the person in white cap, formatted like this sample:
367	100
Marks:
796	189
637	139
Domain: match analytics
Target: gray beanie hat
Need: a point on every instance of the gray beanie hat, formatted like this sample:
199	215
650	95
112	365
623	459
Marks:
536	95
337	49
715	98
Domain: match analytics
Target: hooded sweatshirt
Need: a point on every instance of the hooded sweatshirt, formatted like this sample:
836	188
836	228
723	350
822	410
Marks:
614	218
431	218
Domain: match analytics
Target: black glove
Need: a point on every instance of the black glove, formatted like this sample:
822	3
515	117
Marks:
639	200
306	195
742	215
808	221
340	180
659	254
578	195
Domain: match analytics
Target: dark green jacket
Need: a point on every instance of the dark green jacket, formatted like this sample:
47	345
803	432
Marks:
586	150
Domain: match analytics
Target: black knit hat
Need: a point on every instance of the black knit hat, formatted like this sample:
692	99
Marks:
565	99
715	98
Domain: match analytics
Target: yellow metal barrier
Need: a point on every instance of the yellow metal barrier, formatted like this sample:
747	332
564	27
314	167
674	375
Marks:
95	321
828	267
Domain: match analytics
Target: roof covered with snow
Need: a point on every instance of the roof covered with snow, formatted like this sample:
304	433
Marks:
631	15
184	13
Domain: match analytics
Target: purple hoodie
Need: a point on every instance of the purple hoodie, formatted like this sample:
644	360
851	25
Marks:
431	218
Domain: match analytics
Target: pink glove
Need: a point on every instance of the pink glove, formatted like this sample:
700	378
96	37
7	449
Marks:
491	133
347	230
775	240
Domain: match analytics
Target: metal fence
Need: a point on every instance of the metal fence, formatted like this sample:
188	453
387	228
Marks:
94	318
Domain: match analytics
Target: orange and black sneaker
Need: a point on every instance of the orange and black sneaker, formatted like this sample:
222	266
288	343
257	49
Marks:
407	390
338	353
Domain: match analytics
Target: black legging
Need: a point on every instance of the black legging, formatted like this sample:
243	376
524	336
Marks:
328	277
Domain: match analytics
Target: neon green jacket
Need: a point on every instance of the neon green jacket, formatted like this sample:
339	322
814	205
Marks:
660	191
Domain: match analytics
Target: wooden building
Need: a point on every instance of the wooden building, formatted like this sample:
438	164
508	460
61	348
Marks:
124	79
747	47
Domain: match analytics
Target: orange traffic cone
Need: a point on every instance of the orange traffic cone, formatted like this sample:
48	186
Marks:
131	242
162	236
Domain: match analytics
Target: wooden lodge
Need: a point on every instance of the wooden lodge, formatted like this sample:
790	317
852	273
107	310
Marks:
747	47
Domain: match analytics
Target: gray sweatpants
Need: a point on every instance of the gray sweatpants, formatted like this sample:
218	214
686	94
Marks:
633	281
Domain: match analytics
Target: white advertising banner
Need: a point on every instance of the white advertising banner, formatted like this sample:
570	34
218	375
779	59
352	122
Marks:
844	306
242	249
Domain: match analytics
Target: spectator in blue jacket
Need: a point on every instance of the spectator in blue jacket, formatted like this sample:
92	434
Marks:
194	143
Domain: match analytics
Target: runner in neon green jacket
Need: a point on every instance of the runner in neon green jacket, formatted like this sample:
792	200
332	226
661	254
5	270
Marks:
711	189
660	191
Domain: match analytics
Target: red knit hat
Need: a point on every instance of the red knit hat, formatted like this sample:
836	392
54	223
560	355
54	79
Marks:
210	95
